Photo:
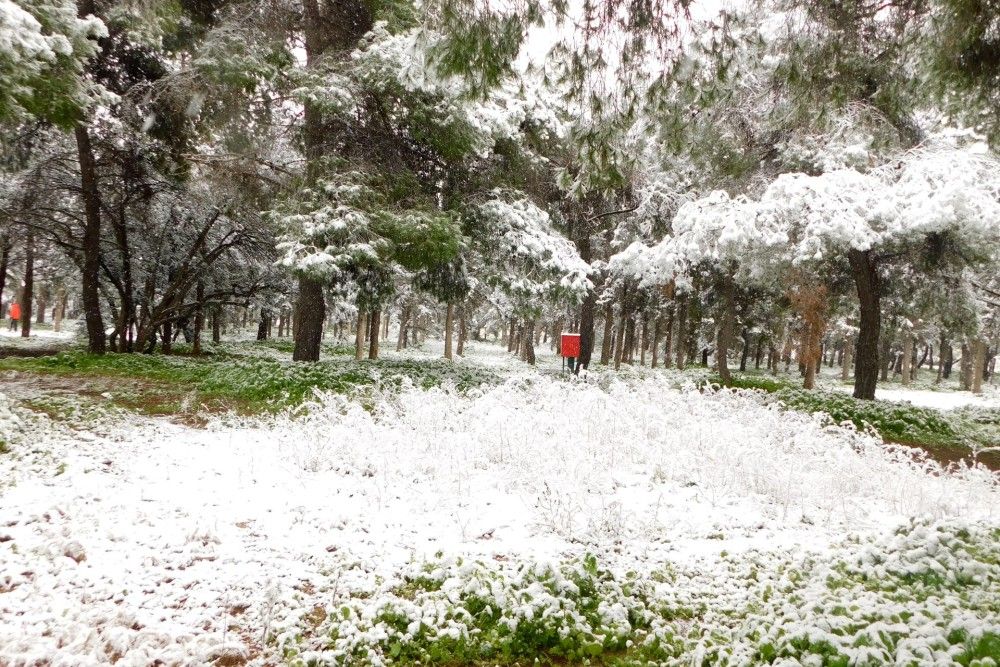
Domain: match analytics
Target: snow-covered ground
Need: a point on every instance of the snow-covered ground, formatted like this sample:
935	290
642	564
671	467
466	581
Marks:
139	540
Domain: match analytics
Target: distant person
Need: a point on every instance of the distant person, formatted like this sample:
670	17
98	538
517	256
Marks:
15	315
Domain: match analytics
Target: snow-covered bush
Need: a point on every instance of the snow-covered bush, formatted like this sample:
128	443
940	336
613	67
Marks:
922	595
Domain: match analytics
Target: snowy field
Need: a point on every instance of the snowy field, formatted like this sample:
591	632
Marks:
140	542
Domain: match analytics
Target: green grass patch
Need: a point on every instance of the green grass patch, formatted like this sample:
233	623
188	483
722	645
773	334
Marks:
956	431
238	377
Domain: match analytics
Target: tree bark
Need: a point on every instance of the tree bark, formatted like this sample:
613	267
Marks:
682	303
965	368
655	349
745	354
609	324
217	324
864	268
29	283
907	358
310	312
847	359
529	342
448	326
587	309
978	364
462	332
264	326
60	310
727	316
90	287
404	317
359	336
199	317
5	246
374	330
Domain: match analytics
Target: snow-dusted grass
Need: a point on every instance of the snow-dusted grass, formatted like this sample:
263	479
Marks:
303	534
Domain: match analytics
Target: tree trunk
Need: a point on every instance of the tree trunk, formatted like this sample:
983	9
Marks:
978	364
310	312
359	336
965	368
655	350
587	309
907	358
5	246
528	341
620	338
374	329
668	330
264	326
404	317
29	283
41	303
90	286
745	354
199	317
681	329
727	316
609	323
847	359
59	312
864	268
460	349
217	324
168	337
629	342
448	326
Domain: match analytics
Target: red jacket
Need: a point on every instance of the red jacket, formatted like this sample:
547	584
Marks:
15	311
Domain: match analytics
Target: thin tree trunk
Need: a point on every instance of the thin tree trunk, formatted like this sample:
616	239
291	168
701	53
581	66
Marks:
217	324
608	333
460	349
907	358
5	246
745	353
629	342
668	340
29	283
978	364
199	317
90	286
375	327
404	317
359	336
965	368
725	329
682	314
866	279
655	351
448	326
620	337
60	310
643	341
847	359
264	326
528	340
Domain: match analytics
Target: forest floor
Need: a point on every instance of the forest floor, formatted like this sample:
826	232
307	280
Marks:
479	512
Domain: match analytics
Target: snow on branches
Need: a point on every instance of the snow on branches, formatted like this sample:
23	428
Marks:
801	218
43	46
531	260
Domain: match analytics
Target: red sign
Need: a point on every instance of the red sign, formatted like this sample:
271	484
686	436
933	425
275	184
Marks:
570	345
